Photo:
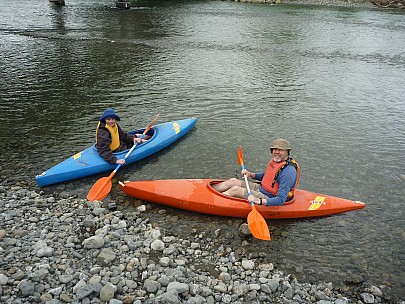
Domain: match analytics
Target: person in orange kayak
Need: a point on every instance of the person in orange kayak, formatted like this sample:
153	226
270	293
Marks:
277	183
111	138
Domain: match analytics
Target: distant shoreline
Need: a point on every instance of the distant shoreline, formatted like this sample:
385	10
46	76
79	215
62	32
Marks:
392	4
337	3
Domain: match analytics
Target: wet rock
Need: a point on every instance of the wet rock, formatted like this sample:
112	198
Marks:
354	278
244	230
367	297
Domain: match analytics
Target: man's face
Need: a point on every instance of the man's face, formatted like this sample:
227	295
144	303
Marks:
110	121
279	155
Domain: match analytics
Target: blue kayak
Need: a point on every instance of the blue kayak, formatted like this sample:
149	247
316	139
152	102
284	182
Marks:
89	162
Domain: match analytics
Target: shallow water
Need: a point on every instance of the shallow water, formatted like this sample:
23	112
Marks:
327	79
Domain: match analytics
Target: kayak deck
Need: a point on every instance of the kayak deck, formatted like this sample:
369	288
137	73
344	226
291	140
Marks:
197	195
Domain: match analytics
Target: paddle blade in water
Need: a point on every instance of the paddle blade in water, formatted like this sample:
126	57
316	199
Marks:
100	189
258	226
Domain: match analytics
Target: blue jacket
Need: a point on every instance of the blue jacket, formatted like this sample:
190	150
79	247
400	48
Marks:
287	179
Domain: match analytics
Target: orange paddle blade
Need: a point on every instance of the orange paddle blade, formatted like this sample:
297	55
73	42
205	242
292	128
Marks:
256	222
240	156
257	225
150	126
100	189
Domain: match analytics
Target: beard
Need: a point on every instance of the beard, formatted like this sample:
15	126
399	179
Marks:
279	158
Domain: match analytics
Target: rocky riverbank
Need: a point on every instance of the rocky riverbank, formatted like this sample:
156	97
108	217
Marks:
394	4
61	249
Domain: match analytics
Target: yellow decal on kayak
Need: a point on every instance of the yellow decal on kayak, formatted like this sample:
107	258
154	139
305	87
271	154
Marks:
317	202
176	127
77	155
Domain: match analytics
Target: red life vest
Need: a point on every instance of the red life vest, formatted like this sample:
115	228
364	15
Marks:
270	182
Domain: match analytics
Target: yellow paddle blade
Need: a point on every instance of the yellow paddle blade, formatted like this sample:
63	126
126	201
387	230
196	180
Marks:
257	225
100	189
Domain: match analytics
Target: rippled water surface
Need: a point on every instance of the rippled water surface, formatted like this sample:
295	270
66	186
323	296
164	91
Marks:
330	80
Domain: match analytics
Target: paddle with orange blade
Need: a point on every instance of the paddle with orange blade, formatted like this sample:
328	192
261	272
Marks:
103	186
256	222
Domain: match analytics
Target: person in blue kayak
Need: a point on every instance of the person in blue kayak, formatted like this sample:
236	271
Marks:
111	138
277	183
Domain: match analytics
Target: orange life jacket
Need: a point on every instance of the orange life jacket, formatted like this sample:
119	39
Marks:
270	182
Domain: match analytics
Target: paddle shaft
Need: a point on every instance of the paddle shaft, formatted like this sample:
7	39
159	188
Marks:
247	185
257	224
129	153
135	145
116	168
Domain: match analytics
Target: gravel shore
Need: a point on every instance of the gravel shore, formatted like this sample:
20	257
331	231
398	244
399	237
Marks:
61	249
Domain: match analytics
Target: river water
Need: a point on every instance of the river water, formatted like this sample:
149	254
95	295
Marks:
330	80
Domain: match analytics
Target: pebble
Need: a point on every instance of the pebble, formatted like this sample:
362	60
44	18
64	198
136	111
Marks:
61	249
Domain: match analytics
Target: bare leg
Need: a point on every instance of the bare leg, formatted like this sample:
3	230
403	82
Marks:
228	184
145	137
236	191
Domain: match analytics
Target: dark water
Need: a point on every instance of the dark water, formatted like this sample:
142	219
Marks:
330	80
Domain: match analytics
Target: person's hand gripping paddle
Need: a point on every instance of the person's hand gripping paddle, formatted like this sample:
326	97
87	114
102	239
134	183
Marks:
256	222
103	186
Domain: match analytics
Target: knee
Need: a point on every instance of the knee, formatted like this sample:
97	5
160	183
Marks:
233	181
234	189
230	183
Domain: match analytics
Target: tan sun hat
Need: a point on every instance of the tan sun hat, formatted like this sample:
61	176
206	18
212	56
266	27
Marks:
281	144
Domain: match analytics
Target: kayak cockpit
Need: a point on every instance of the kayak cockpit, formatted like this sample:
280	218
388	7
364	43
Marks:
214	182
152	133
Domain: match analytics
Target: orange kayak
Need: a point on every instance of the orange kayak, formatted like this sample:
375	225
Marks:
197	195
